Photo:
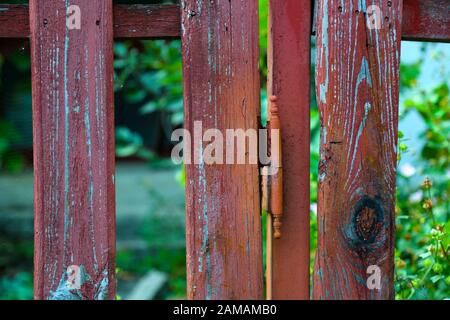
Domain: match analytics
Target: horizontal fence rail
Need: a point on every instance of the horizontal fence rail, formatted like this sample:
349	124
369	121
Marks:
130	21
424	20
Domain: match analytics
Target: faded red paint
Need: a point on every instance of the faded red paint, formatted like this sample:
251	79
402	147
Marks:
146	21
14	21
221	89
289	79
73	128
426	20
357	85
74	141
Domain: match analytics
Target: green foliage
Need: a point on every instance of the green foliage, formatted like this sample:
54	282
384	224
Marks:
263	14
17	287
10	159
149	74
170	261
422	256
166	240
16	256
129	143
423	210
409	74
434	108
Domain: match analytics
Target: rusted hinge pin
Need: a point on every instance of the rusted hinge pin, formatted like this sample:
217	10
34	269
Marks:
272	176
276	184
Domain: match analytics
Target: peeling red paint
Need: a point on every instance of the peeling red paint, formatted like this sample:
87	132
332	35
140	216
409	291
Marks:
357	84
220	76
289	69
73	128
424	20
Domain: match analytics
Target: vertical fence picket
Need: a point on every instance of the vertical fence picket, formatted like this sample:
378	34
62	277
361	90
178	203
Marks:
289	79
73	126
221	89
357	85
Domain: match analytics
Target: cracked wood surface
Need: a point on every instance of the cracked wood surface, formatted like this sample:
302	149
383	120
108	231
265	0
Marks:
221	89
73	128
357	85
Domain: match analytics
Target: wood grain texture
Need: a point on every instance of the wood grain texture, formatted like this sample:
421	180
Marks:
426	20
148	21
289	80
221	89
14	21
73	127
357	86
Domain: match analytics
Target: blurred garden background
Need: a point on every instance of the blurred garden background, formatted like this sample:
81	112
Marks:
150	189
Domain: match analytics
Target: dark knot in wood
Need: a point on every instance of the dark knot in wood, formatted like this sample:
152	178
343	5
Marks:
367	220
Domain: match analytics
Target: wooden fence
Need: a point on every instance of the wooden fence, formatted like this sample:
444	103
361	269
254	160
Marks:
357	84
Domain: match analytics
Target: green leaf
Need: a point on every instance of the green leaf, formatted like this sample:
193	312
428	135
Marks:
436	278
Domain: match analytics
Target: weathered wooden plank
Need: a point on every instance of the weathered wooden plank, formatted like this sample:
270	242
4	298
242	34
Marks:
423	20
73	127
357	85
14	21
426	20
221	89
146	21
130	21
289	80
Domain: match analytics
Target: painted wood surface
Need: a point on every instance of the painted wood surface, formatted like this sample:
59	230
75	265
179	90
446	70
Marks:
73	128
221	89
14	21
424	20
289	80
147	21
357	86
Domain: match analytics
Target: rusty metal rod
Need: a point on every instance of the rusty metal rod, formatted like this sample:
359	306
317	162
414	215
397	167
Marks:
276	178
272	190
